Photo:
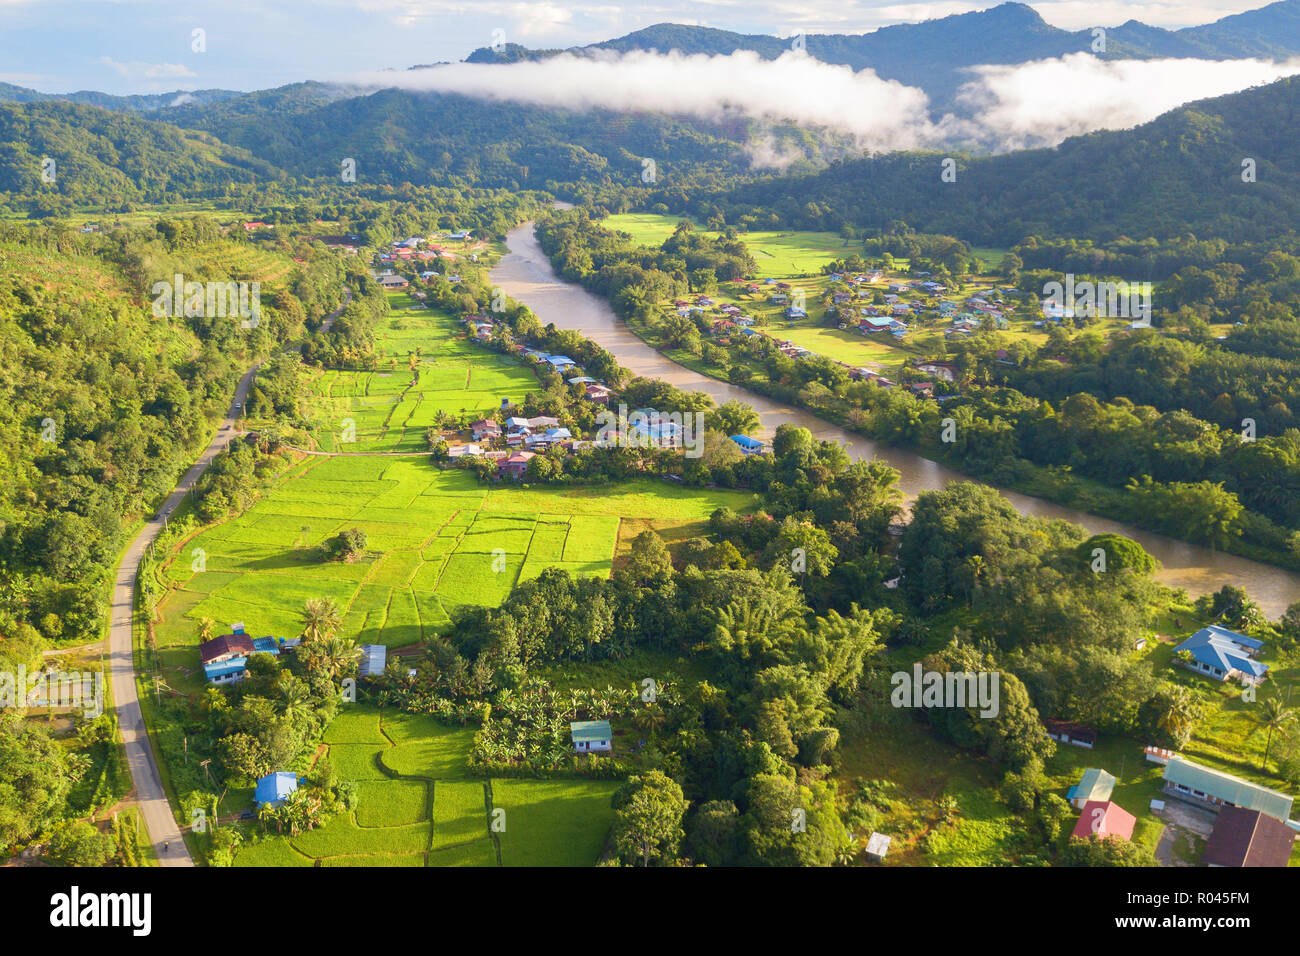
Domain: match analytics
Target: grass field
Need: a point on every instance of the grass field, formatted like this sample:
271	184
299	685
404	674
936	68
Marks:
425	810
436	540
392	408
779	254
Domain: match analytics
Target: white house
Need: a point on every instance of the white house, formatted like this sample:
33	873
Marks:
591	736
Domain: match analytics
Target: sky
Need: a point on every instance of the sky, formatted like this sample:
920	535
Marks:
151	46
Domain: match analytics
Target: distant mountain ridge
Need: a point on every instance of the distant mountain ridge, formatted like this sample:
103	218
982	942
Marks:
935	55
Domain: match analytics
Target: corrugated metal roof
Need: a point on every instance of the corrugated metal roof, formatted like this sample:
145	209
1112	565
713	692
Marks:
1095	784
1226	787
590	730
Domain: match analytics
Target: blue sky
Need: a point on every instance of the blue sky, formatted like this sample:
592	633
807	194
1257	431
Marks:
143	46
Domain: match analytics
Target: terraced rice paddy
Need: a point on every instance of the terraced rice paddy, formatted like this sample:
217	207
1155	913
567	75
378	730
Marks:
392	408
418	807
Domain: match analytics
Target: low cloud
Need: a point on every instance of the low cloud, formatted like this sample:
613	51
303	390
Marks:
1042	103
791	89
1001	108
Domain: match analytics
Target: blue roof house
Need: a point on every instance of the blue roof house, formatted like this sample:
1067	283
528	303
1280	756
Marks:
1224	655
750	446
274	788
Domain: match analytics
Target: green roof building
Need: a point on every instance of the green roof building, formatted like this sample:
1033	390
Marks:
1195	783
591	735
1095	784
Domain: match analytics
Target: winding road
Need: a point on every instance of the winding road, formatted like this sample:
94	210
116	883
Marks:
151	797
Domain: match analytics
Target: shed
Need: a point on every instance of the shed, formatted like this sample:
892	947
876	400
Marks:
374	660
272	789
878	846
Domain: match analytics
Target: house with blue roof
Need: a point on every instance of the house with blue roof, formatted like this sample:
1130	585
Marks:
1224	655
750	446
273	789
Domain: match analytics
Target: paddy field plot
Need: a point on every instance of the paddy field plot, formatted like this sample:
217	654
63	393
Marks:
422	809
437	540
390	409
777	253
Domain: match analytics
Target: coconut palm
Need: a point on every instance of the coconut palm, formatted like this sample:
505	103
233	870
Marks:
335	654
320	618
1273	714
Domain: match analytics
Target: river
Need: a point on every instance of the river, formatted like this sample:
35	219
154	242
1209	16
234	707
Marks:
526	275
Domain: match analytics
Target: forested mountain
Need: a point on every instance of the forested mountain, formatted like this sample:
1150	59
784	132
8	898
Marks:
139	103
107	158
1180	173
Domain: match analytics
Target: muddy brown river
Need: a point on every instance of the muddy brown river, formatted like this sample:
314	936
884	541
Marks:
526	275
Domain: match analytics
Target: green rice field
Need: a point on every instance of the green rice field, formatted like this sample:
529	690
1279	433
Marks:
391	409
436	540
418	807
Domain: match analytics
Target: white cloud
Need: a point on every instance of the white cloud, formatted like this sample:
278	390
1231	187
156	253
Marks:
1042	103
795	88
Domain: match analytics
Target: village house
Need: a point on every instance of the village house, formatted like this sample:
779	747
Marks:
598	393
591	736
877	846
485	429
1224	655
393	282
273	789
515	466
457	452
748	446
1095	784
1245	837
1069	733
1214	789
374	660
1102	819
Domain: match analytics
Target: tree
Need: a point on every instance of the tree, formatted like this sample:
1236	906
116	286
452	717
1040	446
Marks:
648	819
1107	851
1272	715
345	546
736	418
320	618
79	844
714	834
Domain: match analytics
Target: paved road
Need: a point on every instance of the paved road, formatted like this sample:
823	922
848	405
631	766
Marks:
150	795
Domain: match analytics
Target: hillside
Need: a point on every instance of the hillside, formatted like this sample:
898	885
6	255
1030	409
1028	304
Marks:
105	158
1180	173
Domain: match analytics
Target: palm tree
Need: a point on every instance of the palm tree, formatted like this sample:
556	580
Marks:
320	618
296	699
336	653
1273	715
206	627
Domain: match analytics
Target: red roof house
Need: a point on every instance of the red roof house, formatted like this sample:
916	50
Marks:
224	648
1245	837
1104	819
